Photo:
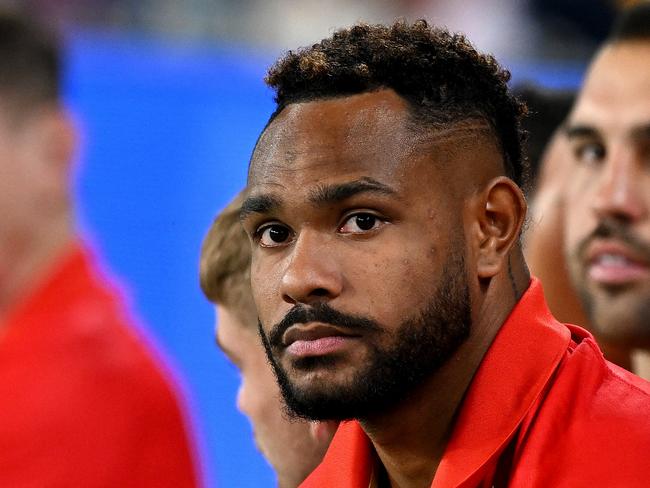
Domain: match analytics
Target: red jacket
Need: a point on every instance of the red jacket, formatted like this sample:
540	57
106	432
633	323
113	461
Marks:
544	410
83	403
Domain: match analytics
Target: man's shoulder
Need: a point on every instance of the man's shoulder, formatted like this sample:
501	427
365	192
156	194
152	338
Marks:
598	388
100	320
77	363
586	365
78	331
591	425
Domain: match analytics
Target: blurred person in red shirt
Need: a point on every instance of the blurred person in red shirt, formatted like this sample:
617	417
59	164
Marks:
292	447
384	209
84	401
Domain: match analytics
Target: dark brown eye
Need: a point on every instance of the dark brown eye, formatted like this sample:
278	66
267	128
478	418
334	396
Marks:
365	221
273	235
361	222
590	153
278	234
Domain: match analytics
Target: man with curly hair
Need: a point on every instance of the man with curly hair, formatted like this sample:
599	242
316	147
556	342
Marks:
384	209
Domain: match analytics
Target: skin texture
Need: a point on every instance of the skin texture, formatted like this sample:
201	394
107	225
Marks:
293	448
36	149
609	194
432	188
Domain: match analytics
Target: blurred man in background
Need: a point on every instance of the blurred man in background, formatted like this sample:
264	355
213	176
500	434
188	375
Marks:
293	447
84	401
607	223
549	154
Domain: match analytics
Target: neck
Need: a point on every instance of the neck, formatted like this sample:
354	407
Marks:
641	363
410	439
23	266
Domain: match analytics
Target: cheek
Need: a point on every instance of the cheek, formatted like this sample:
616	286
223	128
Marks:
579	221
264	285
579	216
571	229
395	280
258	394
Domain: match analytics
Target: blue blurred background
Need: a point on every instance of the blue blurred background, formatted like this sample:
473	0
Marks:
169	100
167	132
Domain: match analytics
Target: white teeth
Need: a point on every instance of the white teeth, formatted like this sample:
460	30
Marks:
612	260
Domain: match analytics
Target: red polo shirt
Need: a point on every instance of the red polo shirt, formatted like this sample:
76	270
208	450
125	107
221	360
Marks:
544	410
83	403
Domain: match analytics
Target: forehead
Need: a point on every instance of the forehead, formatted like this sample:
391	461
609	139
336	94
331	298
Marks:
355	130
616	92
367	135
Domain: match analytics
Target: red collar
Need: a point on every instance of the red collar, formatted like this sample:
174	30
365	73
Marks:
511	377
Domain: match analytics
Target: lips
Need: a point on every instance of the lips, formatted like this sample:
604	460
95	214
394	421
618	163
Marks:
315	339
611	262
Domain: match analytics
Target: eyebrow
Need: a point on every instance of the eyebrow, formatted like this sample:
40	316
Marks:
642	131
575	131
260	204
329	194
324	194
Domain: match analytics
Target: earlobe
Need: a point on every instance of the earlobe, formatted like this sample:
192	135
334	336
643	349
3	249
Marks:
501	213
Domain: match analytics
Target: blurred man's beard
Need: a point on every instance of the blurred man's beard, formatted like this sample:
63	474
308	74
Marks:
617	314
407	357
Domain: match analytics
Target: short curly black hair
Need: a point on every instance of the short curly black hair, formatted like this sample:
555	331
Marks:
440	74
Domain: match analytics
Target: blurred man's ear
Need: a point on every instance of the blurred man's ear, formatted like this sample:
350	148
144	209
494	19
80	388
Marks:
59	139
51	141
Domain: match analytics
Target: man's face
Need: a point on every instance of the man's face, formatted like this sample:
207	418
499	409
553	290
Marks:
359	257
19	185
286	444
608	207
33	178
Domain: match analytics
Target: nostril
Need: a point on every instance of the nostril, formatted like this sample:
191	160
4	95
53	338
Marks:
320	292
621	217
288	299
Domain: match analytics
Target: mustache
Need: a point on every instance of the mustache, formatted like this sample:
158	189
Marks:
323	313
610	228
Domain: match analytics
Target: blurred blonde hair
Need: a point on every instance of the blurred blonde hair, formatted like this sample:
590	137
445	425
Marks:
224	265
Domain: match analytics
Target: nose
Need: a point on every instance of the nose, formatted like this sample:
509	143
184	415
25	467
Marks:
312	272
242	399
619	194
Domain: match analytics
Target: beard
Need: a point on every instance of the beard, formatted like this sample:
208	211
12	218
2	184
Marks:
394	367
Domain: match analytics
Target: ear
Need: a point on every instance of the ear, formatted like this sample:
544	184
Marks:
51	138
59	139
500	212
